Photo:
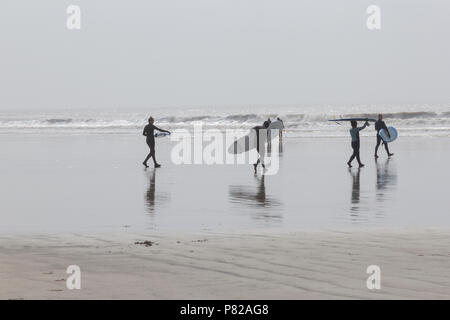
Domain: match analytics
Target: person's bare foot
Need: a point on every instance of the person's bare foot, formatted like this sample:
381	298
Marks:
390	154
145	164
376	156
157	165
361	165
349	164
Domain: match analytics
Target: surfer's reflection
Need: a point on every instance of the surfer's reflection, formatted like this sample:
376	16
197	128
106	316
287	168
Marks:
151	198
356	189
386	180
258	198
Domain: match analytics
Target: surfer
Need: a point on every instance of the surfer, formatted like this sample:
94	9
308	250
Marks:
261	143
280	130
378	126
269	137
354	132
149	132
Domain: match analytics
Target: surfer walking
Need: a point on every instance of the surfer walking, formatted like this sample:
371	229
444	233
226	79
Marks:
378	126
260	143
149	132
280	132
354	132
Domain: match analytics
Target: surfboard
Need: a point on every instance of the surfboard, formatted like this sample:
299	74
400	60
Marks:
393	133
160	134
249	141
276	125
356	119
245	143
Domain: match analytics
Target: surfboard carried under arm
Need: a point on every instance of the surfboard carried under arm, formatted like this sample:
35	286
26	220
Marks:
392	136
160	134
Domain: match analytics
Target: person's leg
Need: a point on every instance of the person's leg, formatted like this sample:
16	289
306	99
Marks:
357	154
152	151
146	159
148	156
259	144
262	156
387	149
359	160
377	146
257	150
256	164
153	155
353	155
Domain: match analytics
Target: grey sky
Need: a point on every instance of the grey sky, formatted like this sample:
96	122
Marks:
198	52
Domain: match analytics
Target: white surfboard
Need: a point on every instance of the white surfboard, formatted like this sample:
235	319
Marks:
249	141
244	143
392	132
160	134
276	125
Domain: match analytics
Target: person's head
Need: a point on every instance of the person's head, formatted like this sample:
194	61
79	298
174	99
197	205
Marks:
266	124
354	123
380	117
151	120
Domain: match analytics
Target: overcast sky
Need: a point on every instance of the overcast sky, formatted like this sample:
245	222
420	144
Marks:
139	53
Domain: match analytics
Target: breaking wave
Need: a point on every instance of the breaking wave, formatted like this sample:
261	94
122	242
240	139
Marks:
297	124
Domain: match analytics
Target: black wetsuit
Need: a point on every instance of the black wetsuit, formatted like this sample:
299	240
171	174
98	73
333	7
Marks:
257	129
149	131
378	126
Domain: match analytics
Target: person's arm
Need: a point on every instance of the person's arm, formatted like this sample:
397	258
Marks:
365	125
144	133
161	129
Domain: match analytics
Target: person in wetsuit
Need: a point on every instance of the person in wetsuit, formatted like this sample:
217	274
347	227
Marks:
261	143
378	126
354	132
149	132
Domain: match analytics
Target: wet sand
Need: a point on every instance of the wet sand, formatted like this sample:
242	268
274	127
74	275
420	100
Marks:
96	183
302	265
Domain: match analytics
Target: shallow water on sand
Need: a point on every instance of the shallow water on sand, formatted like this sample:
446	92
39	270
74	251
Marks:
96	182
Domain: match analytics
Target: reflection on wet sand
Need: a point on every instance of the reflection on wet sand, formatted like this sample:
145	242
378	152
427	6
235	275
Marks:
386	181
151	198
258	199
385	185
356	191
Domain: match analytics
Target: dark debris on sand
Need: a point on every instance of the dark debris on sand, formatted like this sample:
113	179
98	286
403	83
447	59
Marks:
146	243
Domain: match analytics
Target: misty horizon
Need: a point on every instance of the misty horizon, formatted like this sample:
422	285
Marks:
201	53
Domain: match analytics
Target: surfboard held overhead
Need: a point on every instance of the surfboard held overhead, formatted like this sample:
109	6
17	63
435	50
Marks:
353	119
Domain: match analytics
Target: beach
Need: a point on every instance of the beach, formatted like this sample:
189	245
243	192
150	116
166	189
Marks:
299	265
87	85
218	231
